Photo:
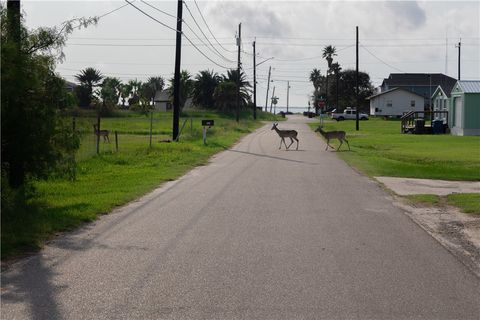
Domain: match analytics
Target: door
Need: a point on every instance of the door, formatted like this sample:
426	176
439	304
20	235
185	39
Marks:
458	112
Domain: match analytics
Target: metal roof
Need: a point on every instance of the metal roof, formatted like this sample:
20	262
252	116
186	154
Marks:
469	86
390	90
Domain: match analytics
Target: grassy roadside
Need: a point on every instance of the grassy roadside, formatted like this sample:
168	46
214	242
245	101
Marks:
112	179
466	202
379	149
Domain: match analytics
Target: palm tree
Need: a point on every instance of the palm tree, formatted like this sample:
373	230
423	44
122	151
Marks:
125	91
186	87
150	88
233	75
89	78
316	79
328	53
205	83
336	70
135	85
111	89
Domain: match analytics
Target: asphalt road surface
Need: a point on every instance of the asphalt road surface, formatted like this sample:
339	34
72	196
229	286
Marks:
260	233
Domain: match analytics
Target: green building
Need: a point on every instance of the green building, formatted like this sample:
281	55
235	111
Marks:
464	108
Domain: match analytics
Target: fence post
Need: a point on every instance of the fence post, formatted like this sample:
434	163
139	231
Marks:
98	132
116	141
151	122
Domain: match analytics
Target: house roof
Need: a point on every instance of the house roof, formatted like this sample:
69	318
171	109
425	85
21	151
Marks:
390	90
162	96
469	86
422	79
439	89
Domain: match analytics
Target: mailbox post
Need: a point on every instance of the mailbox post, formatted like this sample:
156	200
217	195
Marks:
205	124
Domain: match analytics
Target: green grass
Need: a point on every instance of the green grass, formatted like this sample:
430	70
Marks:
112	179
466	202
379	149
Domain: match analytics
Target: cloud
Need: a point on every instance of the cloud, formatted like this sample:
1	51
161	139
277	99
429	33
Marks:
406	14
265	20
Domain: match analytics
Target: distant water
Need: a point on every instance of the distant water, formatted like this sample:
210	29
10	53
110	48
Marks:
290	109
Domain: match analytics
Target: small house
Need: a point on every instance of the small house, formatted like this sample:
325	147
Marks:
465	108
423	84
395	102
441	102
162	100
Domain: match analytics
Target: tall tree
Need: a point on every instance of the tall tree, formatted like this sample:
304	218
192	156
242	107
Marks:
204	87
31	137
89	78
336	70
346	89
328	53
186	87
111	90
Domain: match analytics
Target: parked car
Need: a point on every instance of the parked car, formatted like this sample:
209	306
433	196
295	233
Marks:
349	114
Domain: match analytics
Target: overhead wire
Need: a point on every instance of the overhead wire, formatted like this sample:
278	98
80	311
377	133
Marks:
208	28
385	63
187	38
199	28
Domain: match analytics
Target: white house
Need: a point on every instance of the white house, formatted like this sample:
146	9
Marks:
395	102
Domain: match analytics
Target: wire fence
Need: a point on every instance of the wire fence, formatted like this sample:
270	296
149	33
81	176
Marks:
124	134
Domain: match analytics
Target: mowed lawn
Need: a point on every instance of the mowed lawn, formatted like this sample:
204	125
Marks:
379	149
112	178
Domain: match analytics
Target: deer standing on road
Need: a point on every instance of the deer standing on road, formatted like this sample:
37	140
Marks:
340	135
103	133
292	134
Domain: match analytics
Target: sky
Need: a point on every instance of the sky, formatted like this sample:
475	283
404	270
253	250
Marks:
394	37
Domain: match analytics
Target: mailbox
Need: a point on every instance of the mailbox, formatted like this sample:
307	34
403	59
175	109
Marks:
208	123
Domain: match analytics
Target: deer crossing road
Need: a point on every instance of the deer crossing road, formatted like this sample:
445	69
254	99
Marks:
259	233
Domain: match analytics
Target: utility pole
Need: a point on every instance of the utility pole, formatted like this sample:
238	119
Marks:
239	44
288	91
268	88
271	100
459	45
176	80
357	125
254	84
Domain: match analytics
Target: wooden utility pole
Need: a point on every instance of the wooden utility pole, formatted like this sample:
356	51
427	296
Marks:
271	100
268	88
357	124
254	84
239	44
288	91
459	45
176	79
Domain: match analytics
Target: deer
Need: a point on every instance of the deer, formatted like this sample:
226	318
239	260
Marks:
292	134
340	135
103	133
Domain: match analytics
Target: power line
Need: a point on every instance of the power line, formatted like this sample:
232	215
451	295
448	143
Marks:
187	38
208	28
112	11
165	13
199	28
385	63
158	21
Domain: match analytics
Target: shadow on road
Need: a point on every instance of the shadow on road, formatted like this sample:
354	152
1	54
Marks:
272	157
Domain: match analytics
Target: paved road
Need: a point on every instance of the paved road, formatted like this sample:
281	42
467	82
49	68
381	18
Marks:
260	233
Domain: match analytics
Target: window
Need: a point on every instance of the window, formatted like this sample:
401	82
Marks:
412	103
389	103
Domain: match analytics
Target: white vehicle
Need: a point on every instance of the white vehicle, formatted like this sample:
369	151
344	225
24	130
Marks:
349	114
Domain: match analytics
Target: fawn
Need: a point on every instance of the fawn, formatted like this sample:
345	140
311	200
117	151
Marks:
103	133
292	134
340	135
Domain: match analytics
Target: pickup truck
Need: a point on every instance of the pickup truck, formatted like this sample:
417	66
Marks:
349	114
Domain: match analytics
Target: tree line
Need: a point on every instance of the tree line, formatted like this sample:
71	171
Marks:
208	90
337	87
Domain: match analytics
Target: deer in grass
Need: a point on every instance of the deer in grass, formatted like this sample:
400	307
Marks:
340	135
103	133
292	134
